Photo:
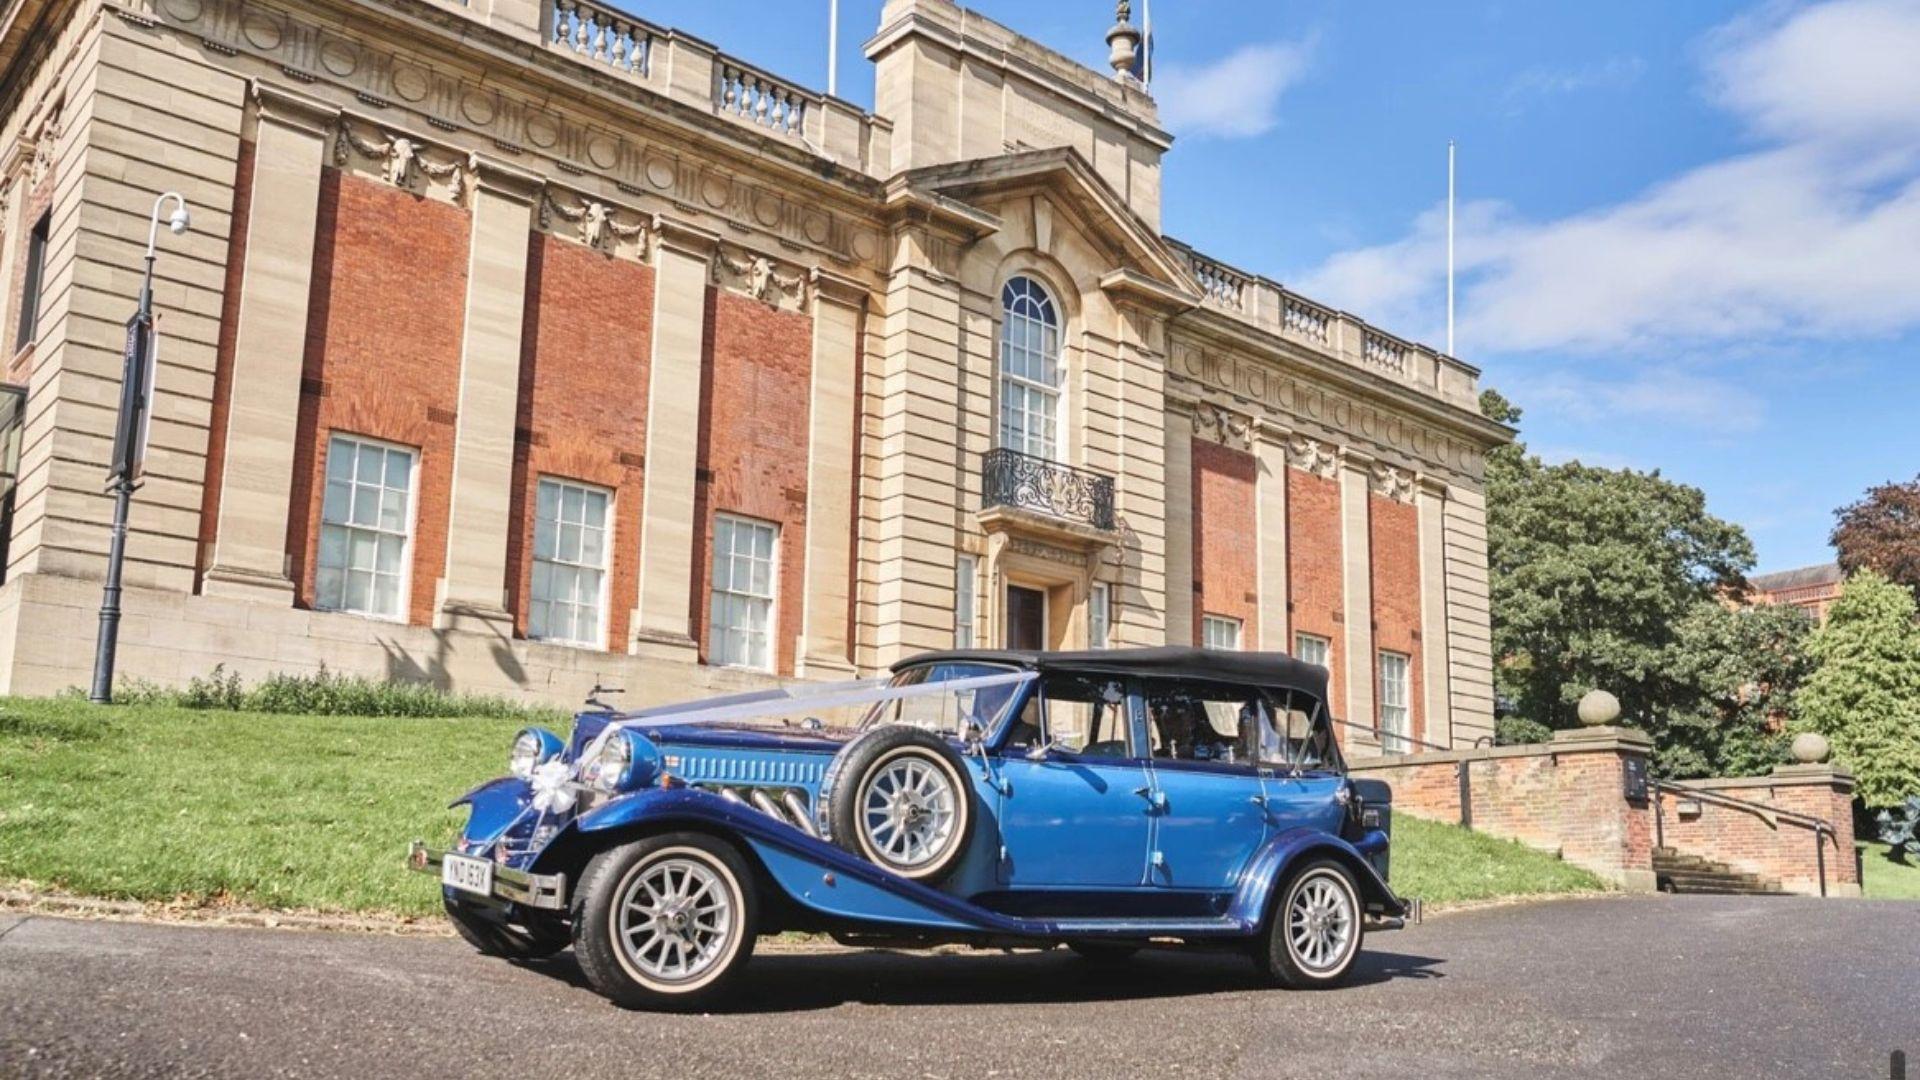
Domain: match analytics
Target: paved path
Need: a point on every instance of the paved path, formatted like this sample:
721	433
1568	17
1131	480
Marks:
1647	987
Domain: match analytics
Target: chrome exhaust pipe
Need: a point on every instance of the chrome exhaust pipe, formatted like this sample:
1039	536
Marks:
797	810
730	795
764	803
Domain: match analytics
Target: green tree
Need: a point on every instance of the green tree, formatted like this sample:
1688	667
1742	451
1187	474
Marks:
1745	664
1618	579
1865	695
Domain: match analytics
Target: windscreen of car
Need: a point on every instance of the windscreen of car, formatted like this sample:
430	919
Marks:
1295	732
952	713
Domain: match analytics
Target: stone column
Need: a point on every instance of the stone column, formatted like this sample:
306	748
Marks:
1430	500
1270	452
249	557
683	269
1469	629
473	590
1179	519
825	647
1356	576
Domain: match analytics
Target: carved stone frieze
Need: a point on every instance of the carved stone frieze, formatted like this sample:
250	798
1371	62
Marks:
758	277
1391	482
1020	545
295	44
407	163
613	230
1223	426
1312	455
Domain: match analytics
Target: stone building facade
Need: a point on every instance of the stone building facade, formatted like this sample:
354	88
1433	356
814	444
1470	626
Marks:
521	345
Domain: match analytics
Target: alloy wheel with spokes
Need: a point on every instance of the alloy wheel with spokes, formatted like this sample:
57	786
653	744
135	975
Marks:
908	810
665	922
898	796
1316	928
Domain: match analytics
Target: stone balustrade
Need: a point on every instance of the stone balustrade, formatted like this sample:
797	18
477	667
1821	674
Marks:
602	35
762	100
1272	307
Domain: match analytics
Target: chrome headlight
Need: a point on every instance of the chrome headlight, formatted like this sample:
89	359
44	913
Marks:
532	748
607	766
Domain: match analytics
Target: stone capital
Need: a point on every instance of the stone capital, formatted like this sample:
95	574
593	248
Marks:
671	234
1271	433
294	109
495	176
832	288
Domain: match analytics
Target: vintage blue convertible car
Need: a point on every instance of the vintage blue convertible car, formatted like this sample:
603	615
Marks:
1106	801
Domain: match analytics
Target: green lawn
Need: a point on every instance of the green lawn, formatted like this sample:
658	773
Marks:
158	803
1442	863
1886	879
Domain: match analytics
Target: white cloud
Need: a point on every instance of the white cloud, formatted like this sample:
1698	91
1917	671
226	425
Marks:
1236	97
1813	234
1700	402
1613	73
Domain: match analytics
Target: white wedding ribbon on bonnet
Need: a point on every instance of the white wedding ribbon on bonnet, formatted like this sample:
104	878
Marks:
551	795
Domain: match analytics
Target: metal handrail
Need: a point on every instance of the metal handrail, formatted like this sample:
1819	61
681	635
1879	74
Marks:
1820	826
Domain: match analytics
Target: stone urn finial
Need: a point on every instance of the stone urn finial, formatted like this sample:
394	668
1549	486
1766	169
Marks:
1810	748
1599	708
1124	41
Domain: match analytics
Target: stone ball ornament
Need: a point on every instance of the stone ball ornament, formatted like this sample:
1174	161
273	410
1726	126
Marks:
1810	748
1599	708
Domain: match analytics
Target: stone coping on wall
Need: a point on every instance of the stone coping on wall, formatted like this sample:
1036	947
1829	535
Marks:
1782	776
1575	741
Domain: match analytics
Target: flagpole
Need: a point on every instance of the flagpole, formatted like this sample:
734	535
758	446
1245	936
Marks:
1146	45
1450	198
833	48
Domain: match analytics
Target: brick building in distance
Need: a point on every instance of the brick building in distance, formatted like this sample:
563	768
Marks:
1812	589
521	344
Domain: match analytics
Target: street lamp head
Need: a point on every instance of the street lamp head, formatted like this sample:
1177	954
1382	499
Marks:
181	221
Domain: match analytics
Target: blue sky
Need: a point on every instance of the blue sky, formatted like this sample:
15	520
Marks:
1689	233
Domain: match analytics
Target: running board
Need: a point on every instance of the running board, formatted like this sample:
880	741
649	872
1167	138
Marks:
1222	926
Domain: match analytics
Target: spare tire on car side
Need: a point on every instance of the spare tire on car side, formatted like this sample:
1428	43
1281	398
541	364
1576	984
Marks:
898	796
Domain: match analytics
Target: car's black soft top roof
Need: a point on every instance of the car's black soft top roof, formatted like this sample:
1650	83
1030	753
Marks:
1273	670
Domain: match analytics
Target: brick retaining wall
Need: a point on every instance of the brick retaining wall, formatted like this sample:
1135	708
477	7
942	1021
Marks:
1775	847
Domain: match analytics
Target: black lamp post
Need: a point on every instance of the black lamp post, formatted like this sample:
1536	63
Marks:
130	444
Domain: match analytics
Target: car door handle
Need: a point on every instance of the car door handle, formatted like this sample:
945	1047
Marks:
1259	801
1156	800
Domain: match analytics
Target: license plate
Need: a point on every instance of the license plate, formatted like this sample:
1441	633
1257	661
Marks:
467	875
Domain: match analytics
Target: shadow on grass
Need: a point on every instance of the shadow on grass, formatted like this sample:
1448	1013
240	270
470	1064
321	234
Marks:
797	982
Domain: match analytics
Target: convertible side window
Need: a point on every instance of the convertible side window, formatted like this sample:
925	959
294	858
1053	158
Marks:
1084	714
1294	732
1191	721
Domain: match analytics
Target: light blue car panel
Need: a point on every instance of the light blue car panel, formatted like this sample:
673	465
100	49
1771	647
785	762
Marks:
1095	801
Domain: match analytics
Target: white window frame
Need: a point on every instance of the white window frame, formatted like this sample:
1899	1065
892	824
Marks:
1395	705
1099	616
1028	312
561	486
966	600
403	585
1304	643
716	654
1217	628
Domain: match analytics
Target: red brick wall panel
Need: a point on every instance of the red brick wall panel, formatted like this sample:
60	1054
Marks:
1226	536
384	336
1395	553
583	407
753	447
1316	595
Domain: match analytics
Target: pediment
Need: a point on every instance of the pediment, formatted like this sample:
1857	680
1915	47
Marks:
1147	267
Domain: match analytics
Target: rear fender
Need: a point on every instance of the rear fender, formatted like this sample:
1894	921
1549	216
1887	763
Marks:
1261	881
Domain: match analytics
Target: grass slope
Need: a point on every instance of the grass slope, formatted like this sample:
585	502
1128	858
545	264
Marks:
157	803
1886	879
1443	863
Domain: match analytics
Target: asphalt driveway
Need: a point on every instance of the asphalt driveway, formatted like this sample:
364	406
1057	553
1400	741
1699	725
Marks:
1656	986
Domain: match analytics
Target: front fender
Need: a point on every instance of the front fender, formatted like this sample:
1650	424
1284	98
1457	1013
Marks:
1270	867
496	805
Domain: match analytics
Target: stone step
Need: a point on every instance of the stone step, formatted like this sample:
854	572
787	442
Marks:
1696	882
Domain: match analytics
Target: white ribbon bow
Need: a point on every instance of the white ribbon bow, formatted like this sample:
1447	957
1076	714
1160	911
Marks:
551	795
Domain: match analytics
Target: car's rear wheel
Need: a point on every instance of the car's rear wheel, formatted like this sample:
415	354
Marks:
666	922
538	938
900	798
1314	934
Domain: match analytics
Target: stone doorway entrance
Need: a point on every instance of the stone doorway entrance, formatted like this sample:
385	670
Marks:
1026	618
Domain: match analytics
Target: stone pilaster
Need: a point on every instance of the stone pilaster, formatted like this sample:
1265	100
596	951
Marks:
839	308
249	555
1179	488
1469	628
1139	615
1270	494
473	590
683	269
1356	574
1430	500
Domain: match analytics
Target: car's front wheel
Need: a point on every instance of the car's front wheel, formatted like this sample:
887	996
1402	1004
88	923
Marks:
1314	934
666	922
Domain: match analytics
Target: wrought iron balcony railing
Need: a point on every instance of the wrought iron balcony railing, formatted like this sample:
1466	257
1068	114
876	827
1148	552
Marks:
1024	482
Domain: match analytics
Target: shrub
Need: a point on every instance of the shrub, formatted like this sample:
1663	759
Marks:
327	693
1516	730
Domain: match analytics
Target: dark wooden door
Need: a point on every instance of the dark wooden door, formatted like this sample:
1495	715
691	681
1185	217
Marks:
1026	618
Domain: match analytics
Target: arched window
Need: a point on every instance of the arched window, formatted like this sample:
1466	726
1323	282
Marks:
1030	373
